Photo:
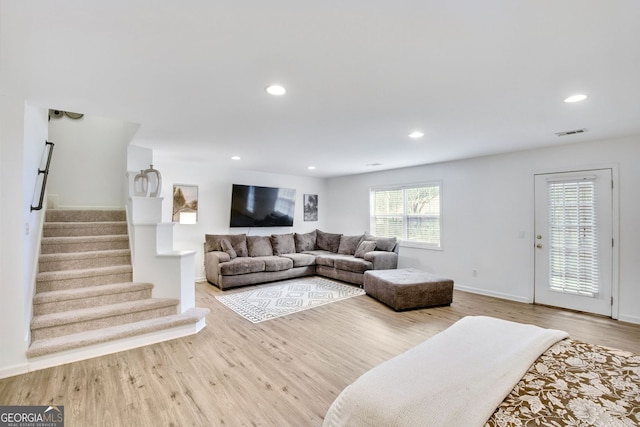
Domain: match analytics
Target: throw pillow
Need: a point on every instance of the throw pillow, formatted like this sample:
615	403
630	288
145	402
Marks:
241	248
382	243
238	242
259	246
209	243
305	242
327	241
283	244
364	247
226	247
349	244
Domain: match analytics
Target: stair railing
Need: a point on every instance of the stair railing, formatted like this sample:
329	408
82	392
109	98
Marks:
45	173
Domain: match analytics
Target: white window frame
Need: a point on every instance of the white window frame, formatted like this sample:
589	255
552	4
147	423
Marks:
403	241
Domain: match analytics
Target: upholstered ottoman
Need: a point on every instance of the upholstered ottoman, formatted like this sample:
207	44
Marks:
407	288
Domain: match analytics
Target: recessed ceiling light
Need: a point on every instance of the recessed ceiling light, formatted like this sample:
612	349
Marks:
576	98
373	165
276	90
416	134
235	158
311	168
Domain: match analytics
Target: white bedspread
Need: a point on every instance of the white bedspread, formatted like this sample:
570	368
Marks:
456	378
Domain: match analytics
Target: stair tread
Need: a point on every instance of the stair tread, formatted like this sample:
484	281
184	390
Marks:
86	338
85	254
83	272
67	224
89	291
84	314
85	215
83	239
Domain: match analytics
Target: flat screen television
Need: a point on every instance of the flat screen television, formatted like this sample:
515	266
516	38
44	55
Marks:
254	206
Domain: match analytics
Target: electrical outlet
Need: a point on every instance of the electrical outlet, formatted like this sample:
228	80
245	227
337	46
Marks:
474	272
26	228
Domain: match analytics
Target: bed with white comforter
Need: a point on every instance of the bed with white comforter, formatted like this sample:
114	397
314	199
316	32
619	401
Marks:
487	371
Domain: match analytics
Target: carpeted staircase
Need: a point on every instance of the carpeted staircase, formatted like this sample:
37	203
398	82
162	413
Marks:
84	289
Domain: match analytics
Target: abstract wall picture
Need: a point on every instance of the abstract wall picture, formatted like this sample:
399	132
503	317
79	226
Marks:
310	207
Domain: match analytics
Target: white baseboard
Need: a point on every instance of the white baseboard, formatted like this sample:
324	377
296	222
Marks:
629	319
485	292
12	371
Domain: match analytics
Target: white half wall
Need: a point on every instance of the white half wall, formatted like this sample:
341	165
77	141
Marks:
214	201
487	216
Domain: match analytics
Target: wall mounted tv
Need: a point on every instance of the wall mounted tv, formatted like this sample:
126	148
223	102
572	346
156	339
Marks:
253	206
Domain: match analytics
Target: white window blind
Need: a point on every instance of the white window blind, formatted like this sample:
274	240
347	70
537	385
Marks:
573	255
410	213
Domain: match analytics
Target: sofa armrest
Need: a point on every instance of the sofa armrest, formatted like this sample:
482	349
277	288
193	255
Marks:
382	260
212	260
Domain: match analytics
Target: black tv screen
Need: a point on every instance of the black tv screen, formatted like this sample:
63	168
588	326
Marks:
253	206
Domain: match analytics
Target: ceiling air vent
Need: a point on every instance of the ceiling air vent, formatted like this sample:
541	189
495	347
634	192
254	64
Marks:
571	132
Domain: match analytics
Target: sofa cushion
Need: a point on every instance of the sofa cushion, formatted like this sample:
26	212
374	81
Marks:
305	242
276	263
386	244
259	246
212	242
238	241
355	265
242	265
327	241
327	260
318	252
349	244
301	260
228	248
364	247
283	244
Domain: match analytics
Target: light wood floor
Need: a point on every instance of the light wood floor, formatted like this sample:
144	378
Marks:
282	372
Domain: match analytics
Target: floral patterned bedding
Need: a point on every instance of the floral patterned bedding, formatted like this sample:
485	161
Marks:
575	384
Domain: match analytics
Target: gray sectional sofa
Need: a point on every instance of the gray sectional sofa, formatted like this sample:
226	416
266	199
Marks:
233	260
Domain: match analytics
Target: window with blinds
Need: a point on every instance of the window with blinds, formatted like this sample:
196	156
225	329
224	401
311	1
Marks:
409	213
573	254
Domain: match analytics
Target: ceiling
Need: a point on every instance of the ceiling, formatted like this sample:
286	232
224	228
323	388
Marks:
477	78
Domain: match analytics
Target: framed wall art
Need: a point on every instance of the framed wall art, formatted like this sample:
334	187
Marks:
310	207
185	204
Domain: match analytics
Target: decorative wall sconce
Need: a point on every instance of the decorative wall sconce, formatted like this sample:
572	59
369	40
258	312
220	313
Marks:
56	114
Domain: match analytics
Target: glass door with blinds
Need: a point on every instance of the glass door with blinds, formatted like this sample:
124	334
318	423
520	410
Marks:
573	240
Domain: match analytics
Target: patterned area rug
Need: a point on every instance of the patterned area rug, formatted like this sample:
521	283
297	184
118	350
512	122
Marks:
268	302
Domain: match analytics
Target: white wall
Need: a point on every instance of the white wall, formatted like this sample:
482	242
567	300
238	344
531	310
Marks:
214	201
23	131
35	135
487	206
89	161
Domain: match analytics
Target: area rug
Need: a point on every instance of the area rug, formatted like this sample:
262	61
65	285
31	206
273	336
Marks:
268	302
